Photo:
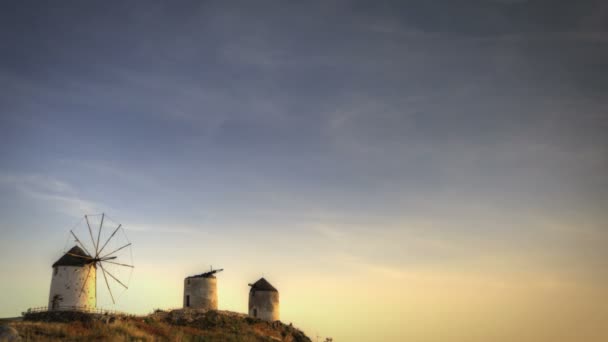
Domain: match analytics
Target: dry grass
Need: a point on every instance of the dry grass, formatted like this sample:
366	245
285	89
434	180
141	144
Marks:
213	326
121	331
77	331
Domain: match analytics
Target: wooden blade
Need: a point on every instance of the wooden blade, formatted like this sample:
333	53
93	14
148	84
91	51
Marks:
80	242
91	233
108	285
125	246
99	235
85	281
113	277
119	264
111	236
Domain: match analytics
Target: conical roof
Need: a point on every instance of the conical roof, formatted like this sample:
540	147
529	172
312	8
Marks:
262	285
71	260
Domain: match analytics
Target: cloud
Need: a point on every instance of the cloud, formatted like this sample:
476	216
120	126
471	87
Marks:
53	193
41	182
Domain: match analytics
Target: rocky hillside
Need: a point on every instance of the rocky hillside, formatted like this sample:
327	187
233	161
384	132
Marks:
176	325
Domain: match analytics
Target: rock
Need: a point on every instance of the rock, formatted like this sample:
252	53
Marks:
8	334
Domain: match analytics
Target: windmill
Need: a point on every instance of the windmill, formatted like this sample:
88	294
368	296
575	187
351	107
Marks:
97	248
200	291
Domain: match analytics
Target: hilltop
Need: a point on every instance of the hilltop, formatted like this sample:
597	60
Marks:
175	325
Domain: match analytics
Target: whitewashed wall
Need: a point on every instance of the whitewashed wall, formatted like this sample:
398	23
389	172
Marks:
67	283
202	292
264	305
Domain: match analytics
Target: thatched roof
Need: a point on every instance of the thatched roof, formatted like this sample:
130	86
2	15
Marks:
71	260
262	285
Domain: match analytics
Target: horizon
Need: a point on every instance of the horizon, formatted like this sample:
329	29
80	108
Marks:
398	170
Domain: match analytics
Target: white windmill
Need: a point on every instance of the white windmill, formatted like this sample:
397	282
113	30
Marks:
74	280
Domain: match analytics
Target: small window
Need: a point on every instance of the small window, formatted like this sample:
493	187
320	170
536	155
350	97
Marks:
188	301
255	312
188	281
56	270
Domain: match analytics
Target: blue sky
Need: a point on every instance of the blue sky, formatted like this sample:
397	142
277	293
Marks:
354	137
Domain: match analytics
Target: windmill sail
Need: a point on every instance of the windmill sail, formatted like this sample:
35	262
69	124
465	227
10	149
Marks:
108	252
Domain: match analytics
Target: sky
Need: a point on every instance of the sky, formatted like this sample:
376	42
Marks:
399	170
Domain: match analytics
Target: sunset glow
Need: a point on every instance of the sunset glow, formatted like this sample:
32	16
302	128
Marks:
400	171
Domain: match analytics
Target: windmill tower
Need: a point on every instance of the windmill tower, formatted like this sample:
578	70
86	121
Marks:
200	291
264	301
74	279
73	282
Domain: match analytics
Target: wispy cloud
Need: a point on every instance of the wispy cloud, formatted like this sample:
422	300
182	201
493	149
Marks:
51	192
